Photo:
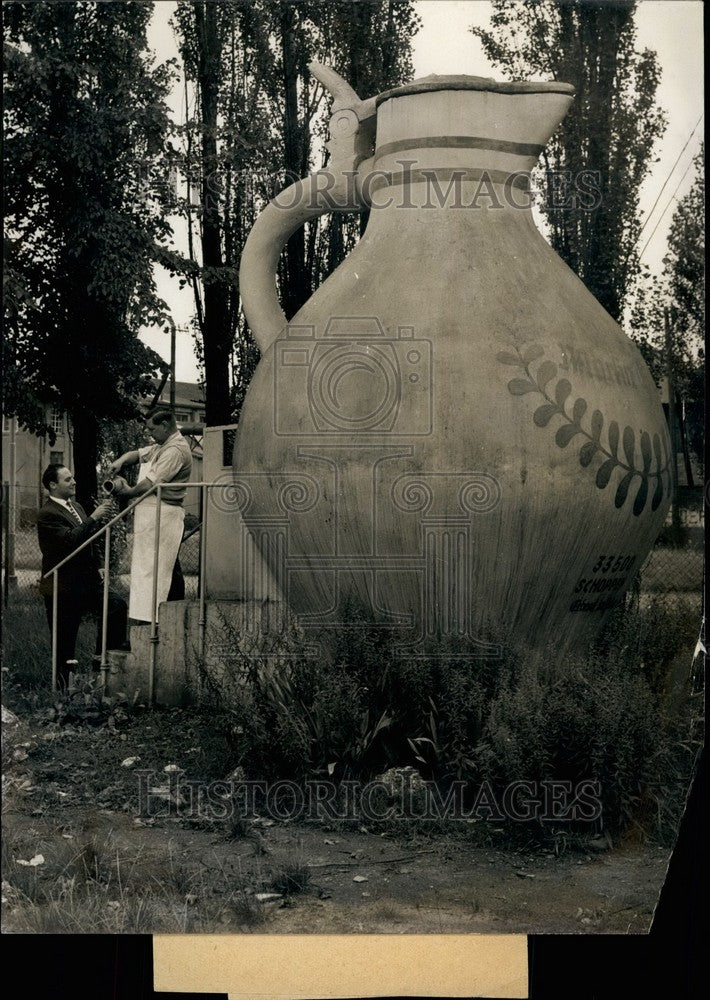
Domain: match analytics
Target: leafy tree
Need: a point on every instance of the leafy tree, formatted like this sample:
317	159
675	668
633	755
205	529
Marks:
680	291
685	263
227	140
256	122
85	119
611	129
369	45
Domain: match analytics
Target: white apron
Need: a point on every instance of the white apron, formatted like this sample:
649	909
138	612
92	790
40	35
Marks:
171	528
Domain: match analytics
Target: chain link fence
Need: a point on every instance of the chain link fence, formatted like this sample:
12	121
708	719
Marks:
24	582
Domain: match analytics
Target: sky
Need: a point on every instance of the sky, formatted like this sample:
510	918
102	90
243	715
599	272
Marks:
444	44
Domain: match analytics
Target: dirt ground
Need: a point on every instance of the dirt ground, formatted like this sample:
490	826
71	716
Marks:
71	800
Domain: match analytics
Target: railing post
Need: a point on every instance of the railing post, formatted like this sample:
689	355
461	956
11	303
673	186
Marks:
12	507
104	611
154	611
55	617
203	561
54	574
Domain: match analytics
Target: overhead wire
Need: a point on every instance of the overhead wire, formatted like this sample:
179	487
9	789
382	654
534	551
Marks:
667	206
665	183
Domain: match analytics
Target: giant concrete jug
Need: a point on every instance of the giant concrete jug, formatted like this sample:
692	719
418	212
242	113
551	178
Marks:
452	430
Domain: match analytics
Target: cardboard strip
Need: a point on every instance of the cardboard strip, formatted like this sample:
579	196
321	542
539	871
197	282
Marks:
305	967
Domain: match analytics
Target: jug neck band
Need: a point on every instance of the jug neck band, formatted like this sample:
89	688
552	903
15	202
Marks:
458	142
448	130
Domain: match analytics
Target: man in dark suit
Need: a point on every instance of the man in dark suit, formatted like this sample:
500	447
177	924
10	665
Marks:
62	526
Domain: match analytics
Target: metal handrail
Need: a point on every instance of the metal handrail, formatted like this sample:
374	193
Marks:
105	530
97	534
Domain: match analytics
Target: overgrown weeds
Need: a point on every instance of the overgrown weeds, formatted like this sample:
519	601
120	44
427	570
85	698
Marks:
292	879
617	717
84	702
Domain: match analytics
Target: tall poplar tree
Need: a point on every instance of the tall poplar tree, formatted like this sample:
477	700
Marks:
607	139
266	130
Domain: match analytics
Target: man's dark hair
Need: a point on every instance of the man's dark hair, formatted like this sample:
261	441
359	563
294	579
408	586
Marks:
51	474
161	415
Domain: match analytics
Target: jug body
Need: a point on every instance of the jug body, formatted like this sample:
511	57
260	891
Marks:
452	434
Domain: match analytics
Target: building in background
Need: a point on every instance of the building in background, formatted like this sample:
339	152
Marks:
189	403
25	456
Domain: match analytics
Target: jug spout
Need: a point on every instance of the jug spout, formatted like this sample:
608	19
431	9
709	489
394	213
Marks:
444	123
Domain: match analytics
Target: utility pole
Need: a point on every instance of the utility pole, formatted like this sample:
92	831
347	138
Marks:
172	368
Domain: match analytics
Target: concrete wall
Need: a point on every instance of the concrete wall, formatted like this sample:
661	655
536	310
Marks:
234	631
235	569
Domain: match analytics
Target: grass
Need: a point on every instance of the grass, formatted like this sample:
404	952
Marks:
292	879
90	886
27	652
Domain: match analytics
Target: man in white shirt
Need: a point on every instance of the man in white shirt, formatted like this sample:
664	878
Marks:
169	462
62	526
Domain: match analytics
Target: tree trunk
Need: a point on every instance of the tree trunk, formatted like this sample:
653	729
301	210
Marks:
296	287
216	334
86	455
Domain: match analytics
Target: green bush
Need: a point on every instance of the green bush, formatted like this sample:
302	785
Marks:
572	721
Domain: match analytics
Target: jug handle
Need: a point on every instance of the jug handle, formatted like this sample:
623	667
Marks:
336	188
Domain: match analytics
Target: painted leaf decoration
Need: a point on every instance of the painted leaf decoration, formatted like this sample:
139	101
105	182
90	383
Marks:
580	408
565	434
604	473
622	490
657	494
629	445
531	353
641	496
543	414
586	453
546	371
519	386
562	391
509	359
646	451
597	424
613	437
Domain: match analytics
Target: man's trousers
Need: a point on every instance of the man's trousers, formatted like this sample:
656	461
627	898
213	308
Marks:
72	606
